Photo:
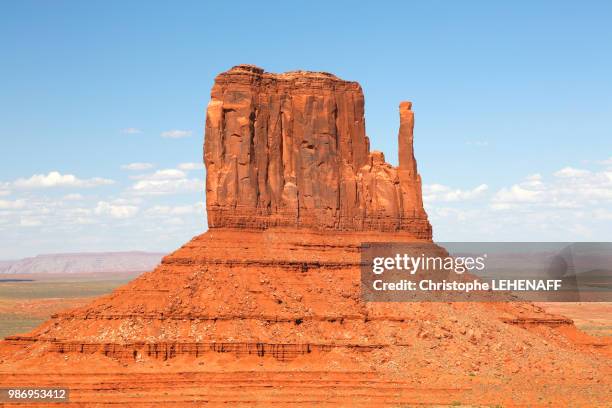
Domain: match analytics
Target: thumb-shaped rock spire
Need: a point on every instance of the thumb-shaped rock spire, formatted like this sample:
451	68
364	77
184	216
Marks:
410	180
406	151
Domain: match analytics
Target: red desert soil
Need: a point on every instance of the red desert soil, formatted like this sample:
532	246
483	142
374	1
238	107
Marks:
264	309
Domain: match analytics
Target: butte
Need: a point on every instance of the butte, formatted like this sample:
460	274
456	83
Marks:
265	307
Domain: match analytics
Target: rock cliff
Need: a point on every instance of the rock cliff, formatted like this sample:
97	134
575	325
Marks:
291	150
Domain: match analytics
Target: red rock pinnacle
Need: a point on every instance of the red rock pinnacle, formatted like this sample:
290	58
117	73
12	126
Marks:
290	150
410	180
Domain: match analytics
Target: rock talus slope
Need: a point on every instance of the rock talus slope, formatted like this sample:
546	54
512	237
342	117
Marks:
265	306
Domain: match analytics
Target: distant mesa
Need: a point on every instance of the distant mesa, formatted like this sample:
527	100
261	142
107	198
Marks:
86	262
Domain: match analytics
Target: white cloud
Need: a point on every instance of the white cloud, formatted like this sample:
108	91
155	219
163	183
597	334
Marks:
166	181
534	177
137	166
533	181
191	166
569	204
570	188
131	131
128	200
606	162
73	197
439	192
164	210
570	172
168	186
12	205
460	215
64	221
176	134
5	189
115	211
84	221
55	179
516	194
174	221
30	222
603	214
165	174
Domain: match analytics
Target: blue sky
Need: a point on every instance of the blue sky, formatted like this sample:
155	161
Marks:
513	102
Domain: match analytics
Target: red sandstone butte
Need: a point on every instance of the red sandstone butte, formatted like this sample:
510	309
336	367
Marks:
265	309
290	150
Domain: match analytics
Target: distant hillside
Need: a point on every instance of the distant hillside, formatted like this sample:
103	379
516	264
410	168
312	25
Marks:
92	262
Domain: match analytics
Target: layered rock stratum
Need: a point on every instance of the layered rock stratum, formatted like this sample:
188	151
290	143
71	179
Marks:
265	307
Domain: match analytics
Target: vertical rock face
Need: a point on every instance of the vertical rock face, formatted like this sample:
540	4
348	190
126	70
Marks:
290	150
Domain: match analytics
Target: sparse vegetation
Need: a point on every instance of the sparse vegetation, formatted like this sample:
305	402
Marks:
26	304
